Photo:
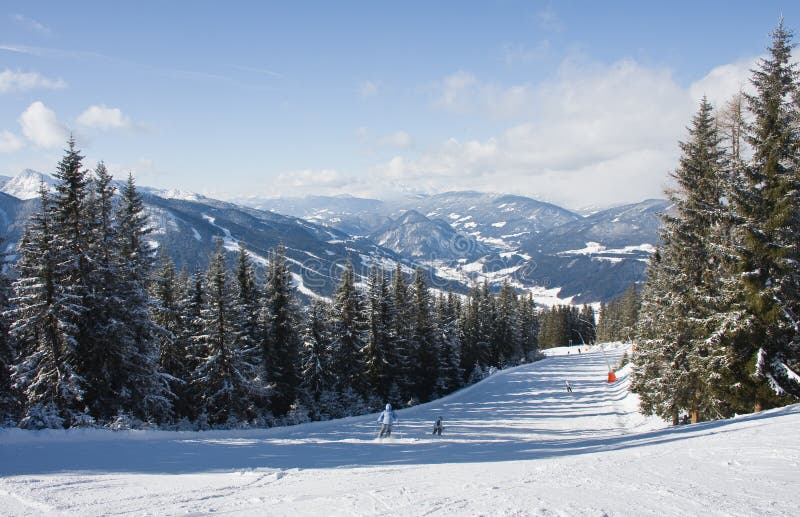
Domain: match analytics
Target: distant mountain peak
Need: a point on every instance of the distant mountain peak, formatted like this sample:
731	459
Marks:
25	185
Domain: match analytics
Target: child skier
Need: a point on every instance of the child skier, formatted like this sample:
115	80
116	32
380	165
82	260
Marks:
437	426
386	420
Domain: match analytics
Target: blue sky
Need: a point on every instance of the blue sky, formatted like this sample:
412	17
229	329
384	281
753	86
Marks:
579	103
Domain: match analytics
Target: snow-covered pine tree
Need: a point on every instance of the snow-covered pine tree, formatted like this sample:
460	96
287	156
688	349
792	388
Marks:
656	363
378	352
529	327
282	333
689	271
486	321
423	339
469	327
769	231
401	334
100	358
45	374
316	361
166	311
451	377
224	380
248	299
9	400
144	389
507	340
348	330
191	306
587	325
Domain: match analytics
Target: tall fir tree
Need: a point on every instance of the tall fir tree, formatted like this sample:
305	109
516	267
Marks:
9	398
767	343
449	345
690	270
401	333
174	349
379	358
144	389
316	361
282	334
424	343
348	329
46	374
226	378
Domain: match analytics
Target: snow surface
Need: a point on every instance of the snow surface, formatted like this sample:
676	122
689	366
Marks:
514	444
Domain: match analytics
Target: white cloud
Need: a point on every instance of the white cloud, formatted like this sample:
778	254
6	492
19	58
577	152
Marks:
399	139
601	133
368	88
462	93
547	18
9	142
40	126
11	81
31	24
102	117
724	81
516	53
455	91
310	178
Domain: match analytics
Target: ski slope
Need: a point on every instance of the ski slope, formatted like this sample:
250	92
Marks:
515	444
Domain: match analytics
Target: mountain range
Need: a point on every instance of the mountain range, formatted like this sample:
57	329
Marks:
459	238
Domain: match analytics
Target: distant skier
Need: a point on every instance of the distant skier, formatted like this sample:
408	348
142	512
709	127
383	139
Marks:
386	420
438	427
569	388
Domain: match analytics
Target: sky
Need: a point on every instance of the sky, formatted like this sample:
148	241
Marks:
574	102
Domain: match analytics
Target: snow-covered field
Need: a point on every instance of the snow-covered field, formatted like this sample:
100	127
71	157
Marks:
514	444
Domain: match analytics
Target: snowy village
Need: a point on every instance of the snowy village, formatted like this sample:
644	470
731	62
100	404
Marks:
518	258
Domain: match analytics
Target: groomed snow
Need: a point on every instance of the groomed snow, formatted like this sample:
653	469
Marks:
514	444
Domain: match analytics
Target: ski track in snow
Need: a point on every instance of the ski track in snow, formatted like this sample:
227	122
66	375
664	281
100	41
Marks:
514	444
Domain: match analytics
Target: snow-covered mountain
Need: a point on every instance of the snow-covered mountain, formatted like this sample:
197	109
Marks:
414	235
26	184
514	444
461	238
186	227
503	221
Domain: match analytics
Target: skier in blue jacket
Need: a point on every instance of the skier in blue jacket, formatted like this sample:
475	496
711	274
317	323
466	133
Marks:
386	420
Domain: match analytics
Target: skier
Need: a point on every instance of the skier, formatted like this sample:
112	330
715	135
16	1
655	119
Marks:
437	426
386	420
569	388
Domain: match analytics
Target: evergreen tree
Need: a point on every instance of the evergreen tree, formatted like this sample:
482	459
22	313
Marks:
348	339
690	270
378	353
174	355
586	327
469	326
46	374
248	299
143	389
424	344
226	377
449	345
507	348
9	400
529	325
401	332
316	361
767	343
282	333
